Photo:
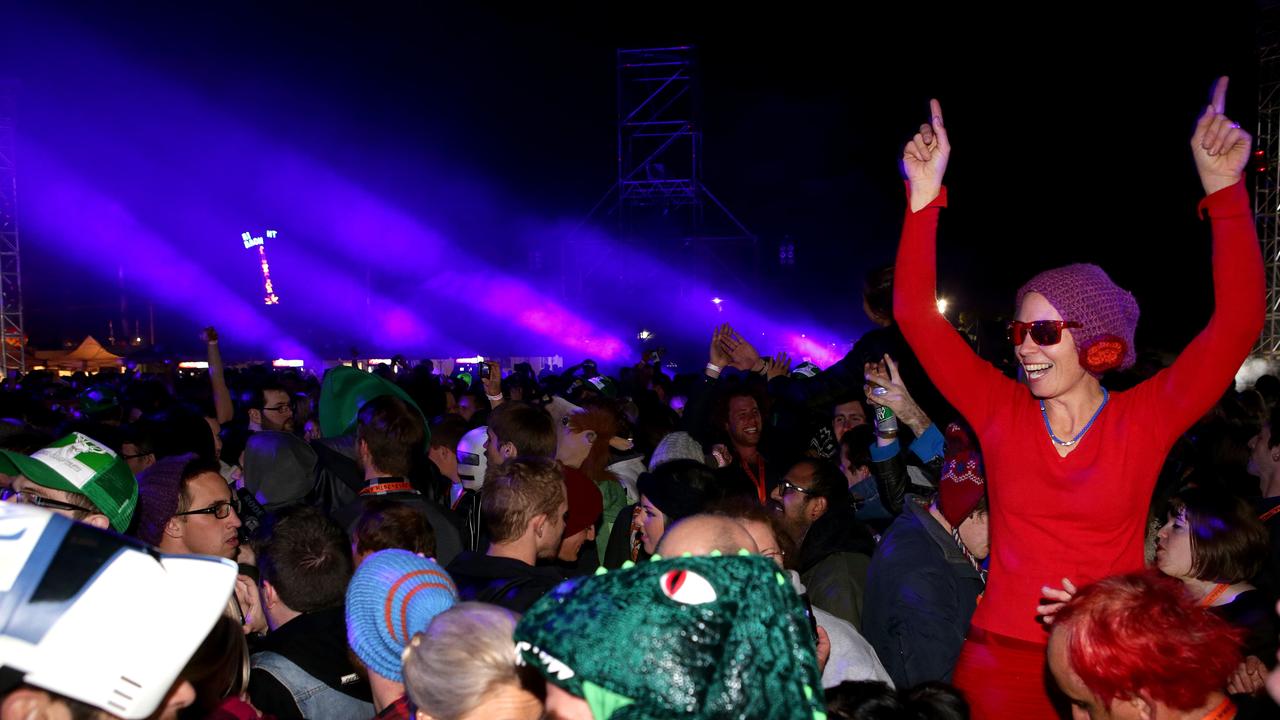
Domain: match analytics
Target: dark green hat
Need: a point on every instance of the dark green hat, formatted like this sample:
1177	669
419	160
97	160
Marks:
690	637
346	389
81	465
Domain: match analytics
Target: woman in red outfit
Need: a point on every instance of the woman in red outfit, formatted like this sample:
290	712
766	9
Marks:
1071	466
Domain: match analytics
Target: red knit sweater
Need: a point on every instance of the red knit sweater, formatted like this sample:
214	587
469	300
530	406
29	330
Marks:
1081	516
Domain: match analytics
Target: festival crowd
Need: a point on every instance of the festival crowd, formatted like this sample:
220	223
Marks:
912	532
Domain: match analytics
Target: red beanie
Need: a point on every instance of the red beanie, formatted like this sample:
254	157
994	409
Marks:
963	483
585	501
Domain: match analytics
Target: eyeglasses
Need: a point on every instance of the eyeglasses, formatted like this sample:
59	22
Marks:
788	486
1042	332
220	510
280	408
39	501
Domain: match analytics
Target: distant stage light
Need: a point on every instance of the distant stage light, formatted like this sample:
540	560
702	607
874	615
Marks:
644	335
194	365
282	363
470	361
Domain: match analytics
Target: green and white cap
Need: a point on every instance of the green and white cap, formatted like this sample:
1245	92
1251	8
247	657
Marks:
79	464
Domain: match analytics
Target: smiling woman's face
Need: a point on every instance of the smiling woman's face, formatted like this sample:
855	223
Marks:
1051	370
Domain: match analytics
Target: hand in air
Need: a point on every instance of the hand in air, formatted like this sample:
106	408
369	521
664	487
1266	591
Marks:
1220	147
778	366
924	159
743	355
719	356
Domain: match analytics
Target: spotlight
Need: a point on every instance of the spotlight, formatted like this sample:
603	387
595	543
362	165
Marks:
644	335
942	305
718	303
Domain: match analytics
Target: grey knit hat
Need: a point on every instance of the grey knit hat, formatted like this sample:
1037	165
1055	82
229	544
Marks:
676	446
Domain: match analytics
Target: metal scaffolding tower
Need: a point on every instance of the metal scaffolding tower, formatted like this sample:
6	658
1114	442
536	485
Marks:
659	199
13	356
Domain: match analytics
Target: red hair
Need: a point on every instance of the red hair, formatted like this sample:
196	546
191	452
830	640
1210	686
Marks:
1143	632
604	422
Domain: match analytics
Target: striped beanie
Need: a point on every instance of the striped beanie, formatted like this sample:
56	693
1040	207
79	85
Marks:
393	594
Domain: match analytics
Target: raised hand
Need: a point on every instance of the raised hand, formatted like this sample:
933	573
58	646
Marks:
777	367
493	383
744	355
210	335
924	159
884	374
1220	147
719	355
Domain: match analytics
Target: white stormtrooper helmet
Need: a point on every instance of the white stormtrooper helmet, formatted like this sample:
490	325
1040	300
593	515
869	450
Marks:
471	458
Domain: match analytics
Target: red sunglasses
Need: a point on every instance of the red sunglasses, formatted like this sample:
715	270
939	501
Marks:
1042	332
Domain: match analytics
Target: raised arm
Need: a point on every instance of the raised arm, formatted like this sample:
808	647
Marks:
1195	381
963	378
217	379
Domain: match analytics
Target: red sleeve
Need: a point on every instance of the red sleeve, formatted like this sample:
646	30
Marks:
966	380
1186	390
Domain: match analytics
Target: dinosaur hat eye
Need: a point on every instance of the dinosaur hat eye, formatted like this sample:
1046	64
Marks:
687	587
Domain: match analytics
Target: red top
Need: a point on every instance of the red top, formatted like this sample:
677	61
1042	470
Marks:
1081	516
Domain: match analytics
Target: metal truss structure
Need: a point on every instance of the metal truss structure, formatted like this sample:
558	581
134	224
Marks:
659	199
13	356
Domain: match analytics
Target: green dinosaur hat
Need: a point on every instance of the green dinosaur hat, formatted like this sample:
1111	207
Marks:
345	390
690	637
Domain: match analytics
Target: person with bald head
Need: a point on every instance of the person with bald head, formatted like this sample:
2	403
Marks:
703	534
843	654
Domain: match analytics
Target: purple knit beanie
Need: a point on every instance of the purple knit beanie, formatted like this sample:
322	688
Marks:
159	488
1083	293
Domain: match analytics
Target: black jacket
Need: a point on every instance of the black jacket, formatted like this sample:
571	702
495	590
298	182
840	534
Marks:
501	581
833	561
921	592
317	643
447	527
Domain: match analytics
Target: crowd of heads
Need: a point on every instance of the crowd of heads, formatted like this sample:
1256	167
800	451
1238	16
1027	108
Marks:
548	543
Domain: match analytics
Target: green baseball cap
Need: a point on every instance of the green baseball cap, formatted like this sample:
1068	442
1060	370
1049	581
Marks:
79	464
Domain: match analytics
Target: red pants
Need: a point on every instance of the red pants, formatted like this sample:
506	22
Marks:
1004	678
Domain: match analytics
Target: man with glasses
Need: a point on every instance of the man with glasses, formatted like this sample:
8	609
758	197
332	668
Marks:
835	548
269	408
187	508
77	477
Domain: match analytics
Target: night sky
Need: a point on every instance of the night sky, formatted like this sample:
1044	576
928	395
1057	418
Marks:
496	128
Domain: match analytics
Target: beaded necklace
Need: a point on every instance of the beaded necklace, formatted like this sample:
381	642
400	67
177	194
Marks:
1068	443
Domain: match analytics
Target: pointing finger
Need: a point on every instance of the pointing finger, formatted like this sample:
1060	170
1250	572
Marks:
939	129
1220	95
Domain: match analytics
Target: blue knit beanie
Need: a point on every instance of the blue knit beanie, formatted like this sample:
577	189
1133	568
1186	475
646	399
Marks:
393	594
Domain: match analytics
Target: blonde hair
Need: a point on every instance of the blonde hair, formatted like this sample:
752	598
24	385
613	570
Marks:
465	653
